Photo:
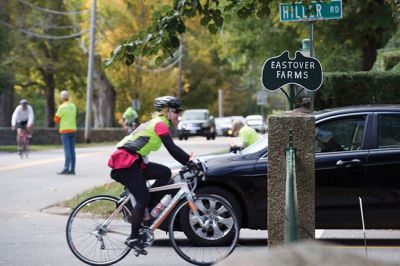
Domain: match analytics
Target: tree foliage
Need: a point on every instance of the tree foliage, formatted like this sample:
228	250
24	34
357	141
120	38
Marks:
43	64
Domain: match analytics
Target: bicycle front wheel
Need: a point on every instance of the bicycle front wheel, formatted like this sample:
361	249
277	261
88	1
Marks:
92	239
217	218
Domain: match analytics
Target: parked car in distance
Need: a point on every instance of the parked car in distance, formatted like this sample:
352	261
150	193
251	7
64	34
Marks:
196	122
256	122
357	155
223	125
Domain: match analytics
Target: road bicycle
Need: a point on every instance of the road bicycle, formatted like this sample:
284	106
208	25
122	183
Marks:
203	229
23	147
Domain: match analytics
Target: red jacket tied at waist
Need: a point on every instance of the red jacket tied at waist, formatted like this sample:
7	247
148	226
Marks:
122	159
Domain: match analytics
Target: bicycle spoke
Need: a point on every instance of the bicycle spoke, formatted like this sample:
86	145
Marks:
90	240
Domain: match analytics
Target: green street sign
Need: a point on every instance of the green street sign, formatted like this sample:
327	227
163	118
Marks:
323	10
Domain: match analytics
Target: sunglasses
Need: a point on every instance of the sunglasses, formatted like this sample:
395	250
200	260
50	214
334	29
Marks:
176	111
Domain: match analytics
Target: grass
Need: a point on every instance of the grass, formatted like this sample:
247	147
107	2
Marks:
114	189
13	148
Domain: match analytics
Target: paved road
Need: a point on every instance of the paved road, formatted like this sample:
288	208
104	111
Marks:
30	236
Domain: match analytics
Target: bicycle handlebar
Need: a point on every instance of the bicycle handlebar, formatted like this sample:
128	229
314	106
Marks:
191	171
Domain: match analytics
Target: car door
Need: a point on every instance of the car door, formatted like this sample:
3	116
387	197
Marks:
340	162
382	202
260	191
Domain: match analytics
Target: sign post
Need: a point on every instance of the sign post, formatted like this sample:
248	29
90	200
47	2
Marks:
281	70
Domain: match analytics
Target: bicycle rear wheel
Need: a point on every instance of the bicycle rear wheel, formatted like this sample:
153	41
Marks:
93	242
217	215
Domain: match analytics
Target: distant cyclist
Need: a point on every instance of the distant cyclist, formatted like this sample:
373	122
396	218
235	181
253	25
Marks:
23	119
130	117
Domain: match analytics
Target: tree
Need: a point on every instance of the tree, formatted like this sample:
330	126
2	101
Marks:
43	59
161	38
354	34
7	78
103	97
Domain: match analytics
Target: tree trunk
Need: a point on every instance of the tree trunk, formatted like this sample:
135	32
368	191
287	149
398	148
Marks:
369	53
49	94
6	106
103	97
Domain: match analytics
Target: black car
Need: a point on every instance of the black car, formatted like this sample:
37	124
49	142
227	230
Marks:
196	122
357	155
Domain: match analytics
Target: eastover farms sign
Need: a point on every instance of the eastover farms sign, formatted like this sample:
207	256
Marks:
302	70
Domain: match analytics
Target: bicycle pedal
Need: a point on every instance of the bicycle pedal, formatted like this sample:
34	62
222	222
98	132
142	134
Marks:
138	252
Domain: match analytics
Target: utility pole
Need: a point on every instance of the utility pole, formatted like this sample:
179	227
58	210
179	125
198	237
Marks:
220	103
89	88
180	69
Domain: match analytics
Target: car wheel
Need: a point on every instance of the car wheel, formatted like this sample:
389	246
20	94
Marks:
219	231
180	137
213	136
224	194
196	235
208	137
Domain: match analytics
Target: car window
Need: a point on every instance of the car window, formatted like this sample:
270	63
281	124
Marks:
340	135
388	131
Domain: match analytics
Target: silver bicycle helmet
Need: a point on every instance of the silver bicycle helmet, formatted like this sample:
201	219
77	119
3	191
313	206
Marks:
167	102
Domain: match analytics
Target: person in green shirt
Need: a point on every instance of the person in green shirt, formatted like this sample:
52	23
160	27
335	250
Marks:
66	117
247	135
130	116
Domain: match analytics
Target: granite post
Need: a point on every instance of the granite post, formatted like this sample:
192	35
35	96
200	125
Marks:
303	131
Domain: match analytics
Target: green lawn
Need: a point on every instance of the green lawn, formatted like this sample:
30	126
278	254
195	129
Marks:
114	189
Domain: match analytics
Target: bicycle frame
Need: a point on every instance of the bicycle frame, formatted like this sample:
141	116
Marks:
183	192
23	144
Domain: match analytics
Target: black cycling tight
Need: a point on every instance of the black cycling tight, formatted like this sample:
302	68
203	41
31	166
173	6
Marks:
134	178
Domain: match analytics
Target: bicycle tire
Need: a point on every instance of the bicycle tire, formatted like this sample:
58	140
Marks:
21	147
194	251
89	242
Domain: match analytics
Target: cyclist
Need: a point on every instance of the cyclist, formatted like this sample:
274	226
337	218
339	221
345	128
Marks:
130	164
247	135
22	119
130	116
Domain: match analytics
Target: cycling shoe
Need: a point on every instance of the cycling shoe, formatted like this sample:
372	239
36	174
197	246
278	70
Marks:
136	245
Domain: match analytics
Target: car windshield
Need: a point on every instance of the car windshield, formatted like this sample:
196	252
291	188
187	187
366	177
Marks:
258	146
194	116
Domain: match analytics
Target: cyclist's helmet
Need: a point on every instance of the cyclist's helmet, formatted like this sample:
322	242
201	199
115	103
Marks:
23	102
169	102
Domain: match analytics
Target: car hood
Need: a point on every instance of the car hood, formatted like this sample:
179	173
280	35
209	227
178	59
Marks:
225	164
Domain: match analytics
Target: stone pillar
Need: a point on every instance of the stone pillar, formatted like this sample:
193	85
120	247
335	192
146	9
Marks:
303	130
